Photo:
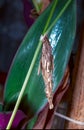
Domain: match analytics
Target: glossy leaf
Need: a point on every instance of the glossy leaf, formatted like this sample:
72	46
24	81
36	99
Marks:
61	38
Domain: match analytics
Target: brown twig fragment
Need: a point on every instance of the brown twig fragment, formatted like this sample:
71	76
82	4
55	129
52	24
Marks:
46	65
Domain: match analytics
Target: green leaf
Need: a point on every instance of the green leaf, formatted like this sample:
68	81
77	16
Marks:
31	123
61	37
37	4
1	106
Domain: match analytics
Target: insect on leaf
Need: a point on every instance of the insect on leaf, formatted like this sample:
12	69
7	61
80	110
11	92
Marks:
61	39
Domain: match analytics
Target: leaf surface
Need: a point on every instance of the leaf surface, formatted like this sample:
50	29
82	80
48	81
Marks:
61	38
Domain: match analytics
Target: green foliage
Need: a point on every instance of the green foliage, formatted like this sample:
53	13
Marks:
61	38
1	106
